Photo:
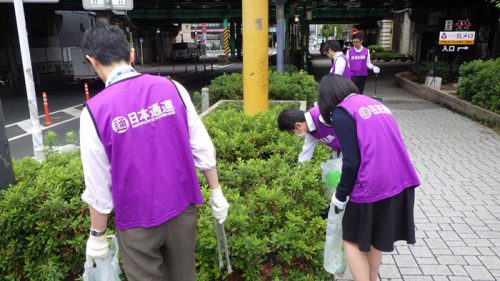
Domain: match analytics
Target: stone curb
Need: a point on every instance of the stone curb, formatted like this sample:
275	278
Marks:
443	98
215	105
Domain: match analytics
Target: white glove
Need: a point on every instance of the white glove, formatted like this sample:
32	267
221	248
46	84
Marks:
339	204
97	247
219	204
376	69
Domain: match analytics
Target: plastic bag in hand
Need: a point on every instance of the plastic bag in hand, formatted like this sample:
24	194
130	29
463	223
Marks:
332	170
334	260
105	269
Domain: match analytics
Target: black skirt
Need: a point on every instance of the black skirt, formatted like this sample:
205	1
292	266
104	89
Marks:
381	223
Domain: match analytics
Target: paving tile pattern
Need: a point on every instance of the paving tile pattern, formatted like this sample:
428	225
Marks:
457	208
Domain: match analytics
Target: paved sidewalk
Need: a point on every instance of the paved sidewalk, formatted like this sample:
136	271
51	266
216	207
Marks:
457	208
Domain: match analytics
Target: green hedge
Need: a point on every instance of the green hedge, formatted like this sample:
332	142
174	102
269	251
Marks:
448	72
275	226
275	230
43	222
289	68
286	86
378	52
376	48
480	83
386	54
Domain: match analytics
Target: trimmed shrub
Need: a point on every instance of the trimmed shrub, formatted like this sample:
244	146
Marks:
226	86
378	52
448	72
275	227
275	230
196	99
289	68
376	48
286	86
43	222
480	83
387	54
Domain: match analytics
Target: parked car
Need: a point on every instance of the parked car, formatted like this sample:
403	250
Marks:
185	51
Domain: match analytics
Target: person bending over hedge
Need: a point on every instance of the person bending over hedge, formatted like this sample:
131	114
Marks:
311	126
377	186
141	140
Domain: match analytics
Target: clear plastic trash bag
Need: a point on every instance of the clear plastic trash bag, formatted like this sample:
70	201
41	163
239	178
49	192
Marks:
105	269
332	170
334	260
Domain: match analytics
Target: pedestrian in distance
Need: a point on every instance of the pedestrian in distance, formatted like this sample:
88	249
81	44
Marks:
340	64
322	47
312	127
359	61
377	187
141	142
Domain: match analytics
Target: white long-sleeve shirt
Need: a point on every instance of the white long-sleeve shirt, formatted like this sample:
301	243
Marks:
310	142
368	60
96	165
340	64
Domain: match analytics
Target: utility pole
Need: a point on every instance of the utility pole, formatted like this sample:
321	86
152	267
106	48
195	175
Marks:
255	56
36	131
280	35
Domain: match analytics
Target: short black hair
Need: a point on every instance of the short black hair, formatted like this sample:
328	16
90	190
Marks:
334	45
106	43
333	89
358	35
288	117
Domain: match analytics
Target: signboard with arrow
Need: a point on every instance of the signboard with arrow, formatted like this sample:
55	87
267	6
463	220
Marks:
457	37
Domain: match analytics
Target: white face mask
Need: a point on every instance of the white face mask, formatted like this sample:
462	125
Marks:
300	134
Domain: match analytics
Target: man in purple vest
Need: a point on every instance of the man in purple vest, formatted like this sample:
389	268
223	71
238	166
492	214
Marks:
359	60
312	127
141	142
340	63
377	187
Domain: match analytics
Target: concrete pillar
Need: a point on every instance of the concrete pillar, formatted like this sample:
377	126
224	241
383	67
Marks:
385	39
205	97
255	61
226	38
405	34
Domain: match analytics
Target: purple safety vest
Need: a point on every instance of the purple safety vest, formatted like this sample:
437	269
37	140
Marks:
323	133
357	62
385	168
142	123
347	69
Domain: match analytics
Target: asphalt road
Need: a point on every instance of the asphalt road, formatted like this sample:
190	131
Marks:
66	97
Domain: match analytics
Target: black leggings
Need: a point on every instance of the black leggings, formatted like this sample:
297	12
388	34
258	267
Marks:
360	82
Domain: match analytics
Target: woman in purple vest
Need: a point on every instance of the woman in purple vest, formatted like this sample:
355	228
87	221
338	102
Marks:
141	141
311	126
340	63
359	60
377	186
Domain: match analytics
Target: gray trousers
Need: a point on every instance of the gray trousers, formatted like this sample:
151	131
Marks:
165	252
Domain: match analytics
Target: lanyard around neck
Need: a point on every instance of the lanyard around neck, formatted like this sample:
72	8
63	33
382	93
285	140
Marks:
119	73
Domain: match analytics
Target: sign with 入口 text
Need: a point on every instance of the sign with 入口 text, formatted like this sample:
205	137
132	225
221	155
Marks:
457	37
